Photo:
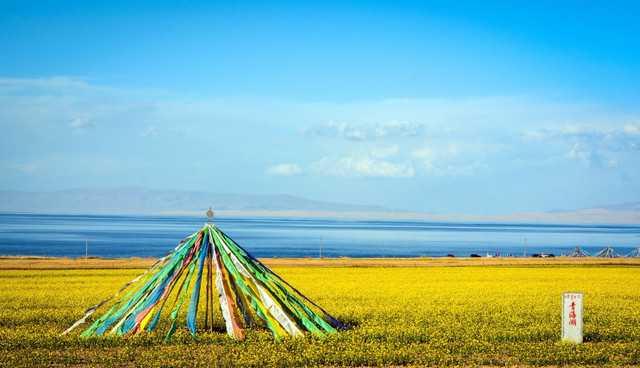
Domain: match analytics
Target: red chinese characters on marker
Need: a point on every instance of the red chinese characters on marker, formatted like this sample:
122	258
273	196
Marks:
572	314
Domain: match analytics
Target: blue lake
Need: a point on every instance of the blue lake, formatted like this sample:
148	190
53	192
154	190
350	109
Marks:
154	236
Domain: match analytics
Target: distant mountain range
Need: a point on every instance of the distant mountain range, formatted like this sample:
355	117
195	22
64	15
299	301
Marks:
194	203
146	201
631	206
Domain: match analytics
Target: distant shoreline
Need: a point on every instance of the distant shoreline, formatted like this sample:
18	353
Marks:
594	217
62	263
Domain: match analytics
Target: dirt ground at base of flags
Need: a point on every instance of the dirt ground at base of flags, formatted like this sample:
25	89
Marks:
45	263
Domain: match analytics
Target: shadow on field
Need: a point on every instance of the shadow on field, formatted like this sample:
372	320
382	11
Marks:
593	337
350	323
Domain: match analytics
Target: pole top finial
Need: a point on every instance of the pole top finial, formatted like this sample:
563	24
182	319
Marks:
209	214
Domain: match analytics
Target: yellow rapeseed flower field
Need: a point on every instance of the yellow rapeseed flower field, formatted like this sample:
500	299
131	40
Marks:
489	315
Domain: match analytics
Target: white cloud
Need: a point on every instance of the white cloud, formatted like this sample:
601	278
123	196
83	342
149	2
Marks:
609	134
427	156
580	152
50	83
385	152
591	157
368	132
25	168
591	145
363	166
451	159
632	129
284	170
81	124
150	131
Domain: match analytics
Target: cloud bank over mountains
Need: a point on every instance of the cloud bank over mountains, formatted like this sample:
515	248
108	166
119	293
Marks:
65	132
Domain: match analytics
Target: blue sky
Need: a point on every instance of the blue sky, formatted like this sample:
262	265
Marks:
478	107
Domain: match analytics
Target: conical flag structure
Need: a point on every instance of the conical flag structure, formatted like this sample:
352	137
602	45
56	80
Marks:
634	253
607	252
578	252
249	294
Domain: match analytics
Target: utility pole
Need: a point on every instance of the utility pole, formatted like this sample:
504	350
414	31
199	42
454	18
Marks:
321	244
86	248
525	247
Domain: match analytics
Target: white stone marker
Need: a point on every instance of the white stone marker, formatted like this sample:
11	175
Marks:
572	317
